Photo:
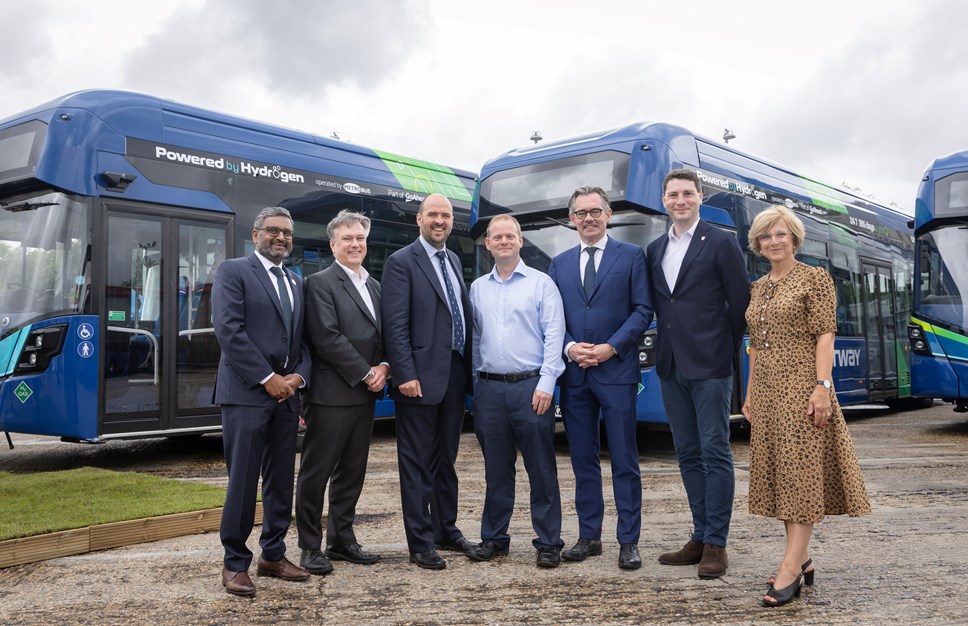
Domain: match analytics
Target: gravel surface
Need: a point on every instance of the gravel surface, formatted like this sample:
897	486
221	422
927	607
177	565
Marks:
905	563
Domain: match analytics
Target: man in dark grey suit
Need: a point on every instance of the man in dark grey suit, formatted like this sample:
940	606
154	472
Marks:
257	313
349	371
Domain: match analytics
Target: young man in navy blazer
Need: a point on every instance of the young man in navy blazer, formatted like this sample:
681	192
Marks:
700	289
257	313
604	286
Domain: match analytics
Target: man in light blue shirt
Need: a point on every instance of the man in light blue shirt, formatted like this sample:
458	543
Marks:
519	329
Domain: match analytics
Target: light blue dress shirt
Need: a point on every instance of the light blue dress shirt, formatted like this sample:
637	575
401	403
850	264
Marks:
519	325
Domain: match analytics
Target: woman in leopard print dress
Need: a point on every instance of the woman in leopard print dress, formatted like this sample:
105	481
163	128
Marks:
802	461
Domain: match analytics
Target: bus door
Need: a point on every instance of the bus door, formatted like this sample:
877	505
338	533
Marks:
159	353
880	330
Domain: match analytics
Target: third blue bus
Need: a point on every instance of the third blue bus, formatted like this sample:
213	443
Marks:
939	324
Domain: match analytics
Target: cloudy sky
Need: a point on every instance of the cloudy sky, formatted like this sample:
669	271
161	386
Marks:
857	92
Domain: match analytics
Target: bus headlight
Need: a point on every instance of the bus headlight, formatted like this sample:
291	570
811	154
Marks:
42	345
647	349
919	343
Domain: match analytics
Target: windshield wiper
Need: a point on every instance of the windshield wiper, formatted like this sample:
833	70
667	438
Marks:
17	207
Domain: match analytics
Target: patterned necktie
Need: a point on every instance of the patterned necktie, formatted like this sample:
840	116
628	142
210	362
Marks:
589	280
284	299
454	309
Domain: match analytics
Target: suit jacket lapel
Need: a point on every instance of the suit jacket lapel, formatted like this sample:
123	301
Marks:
656	262
695	247
426	264
262	276
353	292
375	297
609	254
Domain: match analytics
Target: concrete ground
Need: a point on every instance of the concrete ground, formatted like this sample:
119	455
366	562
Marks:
906	563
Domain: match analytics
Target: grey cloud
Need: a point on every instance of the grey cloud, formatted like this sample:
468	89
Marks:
892	102
24	48
297	49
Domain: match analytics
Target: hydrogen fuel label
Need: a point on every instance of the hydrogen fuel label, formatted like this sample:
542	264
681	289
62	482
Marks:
23	392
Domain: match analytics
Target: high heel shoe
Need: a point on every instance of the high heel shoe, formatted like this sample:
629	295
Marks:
807	576
785	595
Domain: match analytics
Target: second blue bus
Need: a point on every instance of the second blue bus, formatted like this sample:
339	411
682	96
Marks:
868	248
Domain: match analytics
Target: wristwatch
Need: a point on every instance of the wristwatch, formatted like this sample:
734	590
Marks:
825	383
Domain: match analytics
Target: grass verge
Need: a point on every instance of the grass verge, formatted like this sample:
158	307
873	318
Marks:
34	504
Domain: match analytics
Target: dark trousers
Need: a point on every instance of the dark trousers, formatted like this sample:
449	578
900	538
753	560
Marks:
257	439
504	421
428	436
698	412
335	450
581	406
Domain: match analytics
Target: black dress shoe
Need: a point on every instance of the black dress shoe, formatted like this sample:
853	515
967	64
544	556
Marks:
548	557
352	553
628	556
457	545
582	550
314	562
485	551
428	560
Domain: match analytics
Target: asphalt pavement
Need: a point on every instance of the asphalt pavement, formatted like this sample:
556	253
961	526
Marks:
906	563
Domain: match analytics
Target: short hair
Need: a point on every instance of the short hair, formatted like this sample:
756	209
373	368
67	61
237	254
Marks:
770	216
270	211
587	190
420	209
682	174
504	217
347	218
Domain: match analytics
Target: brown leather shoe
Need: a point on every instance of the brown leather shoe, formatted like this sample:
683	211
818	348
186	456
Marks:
237	583
690	554
714	561
283	568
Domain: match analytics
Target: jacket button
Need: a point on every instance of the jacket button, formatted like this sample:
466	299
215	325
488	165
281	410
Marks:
672	300
285	340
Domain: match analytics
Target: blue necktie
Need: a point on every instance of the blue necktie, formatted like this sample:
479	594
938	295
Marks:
284	299
589	280
454	308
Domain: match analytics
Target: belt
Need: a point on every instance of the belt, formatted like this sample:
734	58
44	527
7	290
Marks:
510	378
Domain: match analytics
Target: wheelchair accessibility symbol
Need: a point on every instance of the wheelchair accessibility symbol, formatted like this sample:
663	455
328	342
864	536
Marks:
85	332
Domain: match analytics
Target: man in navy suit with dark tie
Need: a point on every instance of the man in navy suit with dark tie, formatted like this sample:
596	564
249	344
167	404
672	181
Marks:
427	334
257	313
700	288
604	284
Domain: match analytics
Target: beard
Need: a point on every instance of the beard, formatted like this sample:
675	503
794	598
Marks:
271	253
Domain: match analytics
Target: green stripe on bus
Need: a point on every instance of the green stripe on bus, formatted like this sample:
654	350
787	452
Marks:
424	177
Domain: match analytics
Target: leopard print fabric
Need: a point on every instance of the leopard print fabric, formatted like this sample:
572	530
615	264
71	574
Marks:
798	473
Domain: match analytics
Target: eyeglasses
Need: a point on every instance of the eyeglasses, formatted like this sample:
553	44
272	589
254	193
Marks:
767	238
272	231
583	214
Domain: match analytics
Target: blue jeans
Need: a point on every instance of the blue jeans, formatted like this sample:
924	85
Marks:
698	412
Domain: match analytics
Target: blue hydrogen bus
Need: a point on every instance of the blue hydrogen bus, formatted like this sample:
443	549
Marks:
939	323
867	248
116	209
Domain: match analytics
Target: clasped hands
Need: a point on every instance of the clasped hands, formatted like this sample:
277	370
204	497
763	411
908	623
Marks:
281	388
590	354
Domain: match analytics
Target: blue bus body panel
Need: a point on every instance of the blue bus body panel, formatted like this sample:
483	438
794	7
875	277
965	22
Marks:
88	132
62	400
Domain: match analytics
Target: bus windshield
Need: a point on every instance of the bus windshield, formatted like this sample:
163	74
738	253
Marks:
944	275
544	237
44	256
